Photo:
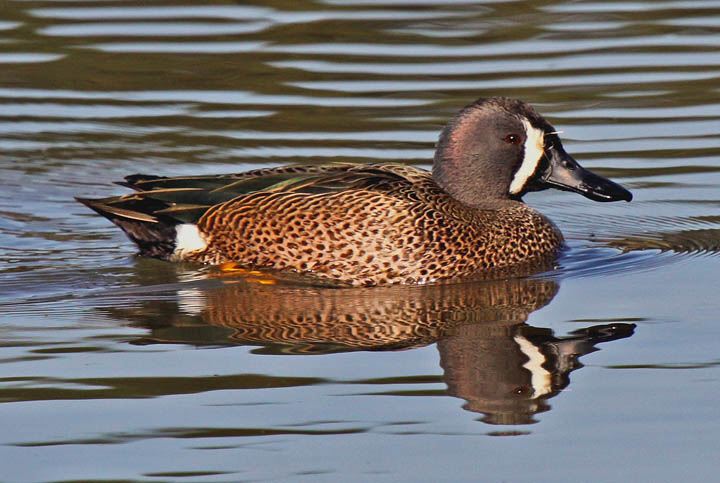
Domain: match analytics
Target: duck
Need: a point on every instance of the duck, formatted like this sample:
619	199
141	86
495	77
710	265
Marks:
373	224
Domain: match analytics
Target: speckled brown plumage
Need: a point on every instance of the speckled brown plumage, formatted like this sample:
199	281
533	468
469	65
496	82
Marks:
400	229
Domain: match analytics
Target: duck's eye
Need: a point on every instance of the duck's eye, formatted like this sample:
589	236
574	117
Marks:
512	139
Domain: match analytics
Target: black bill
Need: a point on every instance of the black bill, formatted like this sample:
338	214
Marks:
559	170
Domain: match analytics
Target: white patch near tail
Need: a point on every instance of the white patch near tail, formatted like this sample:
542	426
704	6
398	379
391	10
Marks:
540	378
534	150
188	239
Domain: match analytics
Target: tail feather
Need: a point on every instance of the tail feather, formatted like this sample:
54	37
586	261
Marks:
132	180
154	235
150	216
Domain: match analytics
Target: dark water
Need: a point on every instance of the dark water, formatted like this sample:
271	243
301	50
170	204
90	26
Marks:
117	368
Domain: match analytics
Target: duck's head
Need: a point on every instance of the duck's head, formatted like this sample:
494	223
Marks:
499	148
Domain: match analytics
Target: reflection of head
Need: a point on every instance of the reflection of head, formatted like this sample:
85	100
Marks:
485	367
509	373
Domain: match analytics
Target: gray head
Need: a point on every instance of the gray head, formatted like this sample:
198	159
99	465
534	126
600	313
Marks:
498	148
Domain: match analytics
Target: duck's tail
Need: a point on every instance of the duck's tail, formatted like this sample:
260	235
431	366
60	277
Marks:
152	218
155	236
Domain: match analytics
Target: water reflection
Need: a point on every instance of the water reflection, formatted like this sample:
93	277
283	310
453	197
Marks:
702	241
490	357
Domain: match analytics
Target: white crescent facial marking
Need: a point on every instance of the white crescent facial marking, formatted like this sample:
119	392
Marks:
188	239
534	150
540	378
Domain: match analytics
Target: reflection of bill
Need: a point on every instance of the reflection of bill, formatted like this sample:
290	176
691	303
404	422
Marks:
501	366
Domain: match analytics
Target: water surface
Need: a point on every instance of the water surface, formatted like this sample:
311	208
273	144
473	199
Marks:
119	368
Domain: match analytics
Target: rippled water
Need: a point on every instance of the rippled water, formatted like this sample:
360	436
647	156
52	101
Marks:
118	368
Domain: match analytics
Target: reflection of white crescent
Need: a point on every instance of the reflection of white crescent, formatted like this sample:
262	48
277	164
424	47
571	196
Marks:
540	379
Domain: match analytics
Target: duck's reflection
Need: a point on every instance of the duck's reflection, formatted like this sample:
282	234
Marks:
501	366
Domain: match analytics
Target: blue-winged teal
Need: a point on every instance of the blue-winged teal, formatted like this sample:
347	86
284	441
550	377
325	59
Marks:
376	223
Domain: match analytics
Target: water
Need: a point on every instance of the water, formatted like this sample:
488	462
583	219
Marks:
118	368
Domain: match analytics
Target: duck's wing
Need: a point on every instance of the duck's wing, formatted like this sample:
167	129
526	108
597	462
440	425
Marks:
184	199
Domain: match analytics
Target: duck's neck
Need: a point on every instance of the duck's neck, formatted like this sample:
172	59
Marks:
463	177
